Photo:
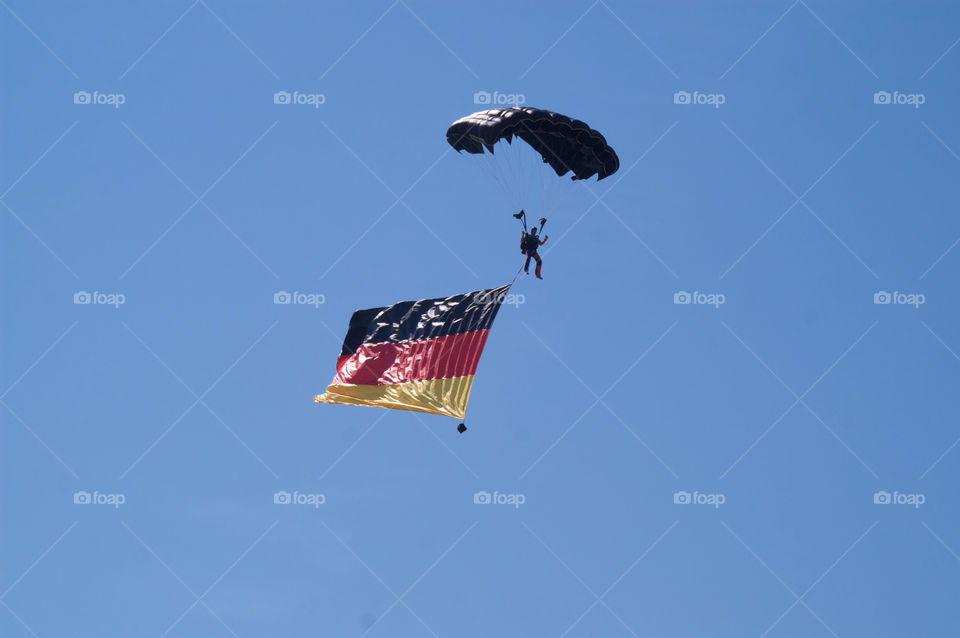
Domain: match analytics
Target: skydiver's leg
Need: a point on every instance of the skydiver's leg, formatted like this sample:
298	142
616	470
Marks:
526	264
539	263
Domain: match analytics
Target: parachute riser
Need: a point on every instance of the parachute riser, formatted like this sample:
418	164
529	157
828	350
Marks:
522	216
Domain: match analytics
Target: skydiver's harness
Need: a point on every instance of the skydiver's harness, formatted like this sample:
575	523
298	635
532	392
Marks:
529	243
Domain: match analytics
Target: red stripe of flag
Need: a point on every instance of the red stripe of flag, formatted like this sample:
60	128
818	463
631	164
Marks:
454	355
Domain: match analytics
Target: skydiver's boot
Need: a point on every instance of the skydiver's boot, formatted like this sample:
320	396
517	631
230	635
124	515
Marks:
537	271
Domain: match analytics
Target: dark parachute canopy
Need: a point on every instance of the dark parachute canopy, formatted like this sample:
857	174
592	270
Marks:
564	143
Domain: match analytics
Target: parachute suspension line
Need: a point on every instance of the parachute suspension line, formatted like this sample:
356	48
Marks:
496	167
547	184
520	164
514	173
507	168
544	190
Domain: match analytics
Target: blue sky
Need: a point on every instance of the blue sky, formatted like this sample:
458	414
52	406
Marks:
828	175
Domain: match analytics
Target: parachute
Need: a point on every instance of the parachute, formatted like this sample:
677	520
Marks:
415	355
566	144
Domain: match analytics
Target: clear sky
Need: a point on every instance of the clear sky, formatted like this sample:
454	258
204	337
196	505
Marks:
815	166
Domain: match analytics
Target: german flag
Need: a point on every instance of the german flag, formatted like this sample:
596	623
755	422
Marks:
415	355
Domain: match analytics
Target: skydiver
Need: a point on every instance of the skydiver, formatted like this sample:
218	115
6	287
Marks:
530	242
